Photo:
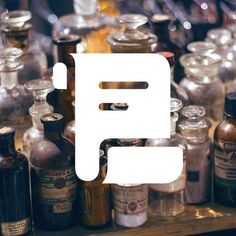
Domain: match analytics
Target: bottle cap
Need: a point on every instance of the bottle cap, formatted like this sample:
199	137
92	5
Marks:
6	132
52	122
160	19
230	105
169	56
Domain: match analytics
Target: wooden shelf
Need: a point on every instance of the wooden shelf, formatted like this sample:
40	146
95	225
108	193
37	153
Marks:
196	219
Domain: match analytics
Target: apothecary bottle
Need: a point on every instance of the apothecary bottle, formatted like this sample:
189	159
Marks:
194	127
88	24
130	201
15	207
132	39
53	179
225	155
69	131
168	200
95	199
17	34
14	102
39	89
202	82
223	40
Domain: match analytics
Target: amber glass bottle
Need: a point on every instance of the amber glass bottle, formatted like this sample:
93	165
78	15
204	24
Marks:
65	45
53	178
95	199
225	155
15	213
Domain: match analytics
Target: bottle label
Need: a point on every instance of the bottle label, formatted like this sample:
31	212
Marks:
225	160
16	228
57	188
130	200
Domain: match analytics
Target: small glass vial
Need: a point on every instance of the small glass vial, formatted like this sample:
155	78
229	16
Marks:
194	127
14	102
95	199
130	201
168	200
15	207
54	183
202	82
225	155
16	31
133	39
39	89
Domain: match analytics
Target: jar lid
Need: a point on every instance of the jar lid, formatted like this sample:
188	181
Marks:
132	36
230	105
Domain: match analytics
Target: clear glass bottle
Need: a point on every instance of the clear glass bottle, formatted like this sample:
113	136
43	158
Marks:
223	40
14	102
132	39
54	183
15	207
89	24
39	89
194	127
16	32
176	90
168	200
202	82
224	155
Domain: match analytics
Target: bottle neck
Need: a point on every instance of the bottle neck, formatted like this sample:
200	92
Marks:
9	79
230	119
161	31
173	125
7	147
53	134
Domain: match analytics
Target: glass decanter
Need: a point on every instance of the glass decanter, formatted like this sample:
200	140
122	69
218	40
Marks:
168	200
16	32
132	39
87	23
223	40
39	89
14	102
194	127
202	82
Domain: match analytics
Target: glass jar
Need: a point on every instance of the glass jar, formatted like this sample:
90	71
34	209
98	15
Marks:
16	32
133	39
194	127
168	200
39	89
202	82
87	23
14	102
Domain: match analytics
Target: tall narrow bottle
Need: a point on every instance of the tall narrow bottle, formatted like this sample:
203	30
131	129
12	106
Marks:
17	34
168	200
39	89
53	178
15	207
225	155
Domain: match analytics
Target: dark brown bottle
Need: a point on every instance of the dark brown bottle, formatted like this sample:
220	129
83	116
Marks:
53	179
65	45
15	212
225	155
95	199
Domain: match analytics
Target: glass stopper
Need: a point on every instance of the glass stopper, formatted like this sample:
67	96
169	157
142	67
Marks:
193	112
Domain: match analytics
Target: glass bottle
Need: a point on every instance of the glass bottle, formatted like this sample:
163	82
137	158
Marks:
225	155
176	90
39	89
14	102
194	127
15	208
53	179
95	199
202	82
168	200
69	131
223	40
65	45
132	39
89	24
16	32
